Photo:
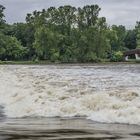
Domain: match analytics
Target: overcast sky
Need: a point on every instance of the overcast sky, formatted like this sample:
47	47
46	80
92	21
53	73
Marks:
125	12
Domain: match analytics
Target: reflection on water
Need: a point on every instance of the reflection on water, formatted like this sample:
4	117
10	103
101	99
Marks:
65	129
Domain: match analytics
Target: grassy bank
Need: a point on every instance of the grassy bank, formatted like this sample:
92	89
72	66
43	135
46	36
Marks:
49	62
23	62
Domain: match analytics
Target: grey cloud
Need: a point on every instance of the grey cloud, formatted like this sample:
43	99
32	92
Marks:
124	12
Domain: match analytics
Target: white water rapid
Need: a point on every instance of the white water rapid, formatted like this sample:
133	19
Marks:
103	93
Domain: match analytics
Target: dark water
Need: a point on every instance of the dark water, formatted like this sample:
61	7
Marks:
65	129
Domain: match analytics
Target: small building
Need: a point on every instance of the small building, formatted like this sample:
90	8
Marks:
132	53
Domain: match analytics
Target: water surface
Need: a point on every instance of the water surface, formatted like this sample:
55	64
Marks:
67	101
65	129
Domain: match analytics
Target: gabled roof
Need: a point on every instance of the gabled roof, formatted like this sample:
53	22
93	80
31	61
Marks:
134	51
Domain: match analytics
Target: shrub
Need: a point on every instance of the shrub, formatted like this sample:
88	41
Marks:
117	57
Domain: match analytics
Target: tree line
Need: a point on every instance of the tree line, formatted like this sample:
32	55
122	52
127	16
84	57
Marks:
66	34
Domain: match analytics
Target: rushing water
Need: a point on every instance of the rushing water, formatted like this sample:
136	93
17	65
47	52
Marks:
65	101
65	129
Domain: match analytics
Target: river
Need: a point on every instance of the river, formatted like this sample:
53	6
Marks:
70	102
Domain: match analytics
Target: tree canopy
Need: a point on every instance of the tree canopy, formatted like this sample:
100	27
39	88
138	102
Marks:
65	34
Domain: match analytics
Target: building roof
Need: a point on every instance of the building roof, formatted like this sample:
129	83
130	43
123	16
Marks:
134	51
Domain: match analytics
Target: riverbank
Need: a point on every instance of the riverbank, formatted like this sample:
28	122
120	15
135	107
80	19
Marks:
49	62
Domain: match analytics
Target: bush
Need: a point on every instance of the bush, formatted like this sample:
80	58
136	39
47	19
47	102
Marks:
55	57
117	57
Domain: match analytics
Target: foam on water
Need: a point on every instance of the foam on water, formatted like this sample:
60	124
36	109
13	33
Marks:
108	94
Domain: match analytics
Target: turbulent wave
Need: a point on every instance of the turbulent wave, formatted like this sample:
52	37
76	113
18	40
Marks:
109	94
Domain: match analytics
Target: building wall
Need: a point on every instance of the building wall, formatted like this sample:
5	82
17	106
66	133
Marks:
137	57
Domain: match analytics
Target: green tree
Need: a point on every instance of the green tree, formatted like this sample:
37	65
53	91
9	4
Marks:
45	43
2	21
11	48
138	34
130	39
121	33
91	13
24	32
66	34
